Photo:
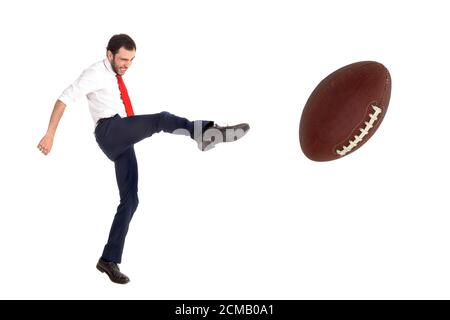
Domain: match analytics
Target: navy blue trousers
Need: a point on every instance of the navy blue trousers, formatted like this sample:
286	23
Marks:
116	137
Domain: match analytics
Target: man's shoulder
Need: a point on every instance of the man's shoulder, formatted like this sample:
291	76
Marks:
97	66
96	69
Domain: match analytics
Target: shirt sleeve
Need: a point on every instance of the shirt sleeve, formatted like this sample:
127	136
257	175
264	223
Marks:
87	82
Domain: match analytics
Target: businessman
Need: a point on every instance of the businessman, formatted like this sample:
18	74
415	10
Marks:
117	129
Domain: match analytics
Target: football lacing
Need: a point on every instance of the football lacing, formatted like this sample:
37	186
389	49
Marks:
363	132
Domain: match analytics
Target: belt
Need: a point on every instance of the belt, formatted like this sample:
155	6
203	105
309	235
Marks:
104	119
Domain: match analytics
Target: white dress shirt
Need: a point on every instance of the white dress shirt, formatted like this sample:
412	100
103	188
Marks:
99	84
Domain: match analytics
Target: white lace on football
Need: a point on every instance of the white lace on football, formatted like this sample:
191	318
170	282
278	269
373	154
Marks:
363	132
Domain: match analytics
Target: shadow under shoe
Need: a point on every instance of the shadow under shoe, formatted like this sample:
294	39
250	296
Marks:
113	271
217	134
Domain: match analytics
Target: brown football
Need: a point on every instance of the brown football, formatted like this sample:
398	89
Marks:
344	110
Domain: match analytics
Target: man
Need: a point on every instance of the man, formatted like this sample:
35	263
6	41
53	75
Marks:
118	129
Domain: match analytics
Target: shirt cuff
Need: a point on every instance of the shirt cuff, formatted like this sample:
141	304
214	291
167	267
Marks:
66	99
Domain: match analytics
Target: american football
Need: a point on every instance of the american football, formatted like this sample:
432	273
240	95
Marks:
344	110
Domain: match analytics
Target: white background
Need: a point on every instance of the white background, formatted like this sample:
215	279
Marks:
250	220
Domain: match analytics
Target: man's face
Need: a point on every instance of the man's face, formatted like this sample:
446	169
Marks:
122	60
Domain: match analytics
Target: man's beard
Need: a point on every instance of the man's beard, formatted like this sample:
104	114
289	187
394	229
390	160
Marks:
114	67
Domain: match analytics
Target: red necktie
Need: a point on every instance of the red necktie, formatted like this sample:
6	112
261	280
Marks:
125	97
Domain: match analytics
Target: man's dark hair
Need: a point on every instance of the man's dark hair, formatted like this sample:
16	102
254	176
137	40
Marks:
120	40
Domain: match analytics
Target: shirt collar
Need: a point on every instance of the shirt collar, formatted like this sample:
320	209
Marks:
109	66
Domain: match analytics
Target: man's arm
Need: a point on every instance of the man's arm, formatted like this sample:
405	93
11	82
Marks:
46	143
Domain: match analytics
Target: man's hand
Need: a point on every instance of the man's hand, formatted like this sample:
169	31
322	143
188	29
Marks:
46	144
47	141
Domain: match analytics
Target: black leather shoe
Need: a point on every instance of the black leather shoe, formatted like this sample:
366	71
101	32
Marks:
217	134
113	271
